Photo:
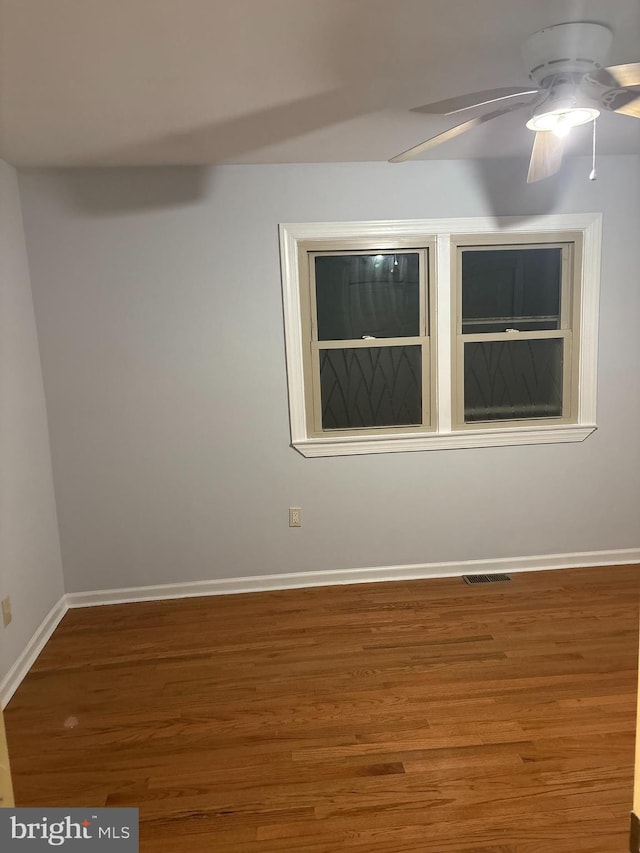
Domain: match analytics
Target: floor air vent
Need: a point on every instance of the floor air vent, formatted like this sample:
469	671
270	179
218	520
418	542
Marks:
485	578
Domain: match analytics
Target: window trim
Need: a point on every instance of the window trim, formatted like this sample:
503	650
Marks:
416	232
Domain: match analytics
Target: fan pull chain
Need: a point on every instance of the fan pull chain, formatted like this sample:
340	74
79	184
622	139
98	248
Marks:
594	175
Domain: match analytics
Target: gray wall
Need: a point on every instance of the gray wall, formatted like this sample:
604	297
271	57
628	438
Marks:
158	304
30	566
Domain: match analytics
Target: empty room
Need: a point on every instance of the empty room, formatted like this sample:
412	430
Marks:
319	425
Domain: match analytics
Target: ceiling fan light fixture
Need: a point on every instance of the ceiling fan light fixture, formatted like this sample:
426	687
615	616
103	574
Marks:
561	120
565	107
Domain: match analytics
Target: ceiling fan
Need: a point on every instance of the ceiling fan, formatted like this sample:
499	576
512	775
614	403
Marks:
570	87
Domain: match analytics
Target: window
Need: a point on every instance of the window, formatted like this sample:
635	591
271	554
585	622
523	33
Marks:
370	360
427	335
515	315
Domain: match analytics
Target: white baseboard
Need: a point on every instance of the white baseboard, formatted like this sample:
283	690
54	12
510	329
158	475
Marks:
21	667
296	580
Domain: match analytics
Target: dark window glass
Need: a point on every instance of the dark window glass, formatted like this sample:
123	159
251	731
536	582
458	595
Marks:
367	295
507	380
371	387
511	288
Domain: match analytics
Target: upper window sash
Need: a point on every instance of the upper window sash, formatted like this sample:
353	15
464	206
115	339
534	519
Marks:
388	256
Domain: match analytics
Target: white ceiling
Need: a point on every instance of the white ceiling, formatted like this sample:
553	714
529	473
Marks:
129	82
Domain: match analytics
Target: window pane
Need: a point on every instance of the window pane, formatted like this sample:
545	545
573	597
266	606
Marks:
506	380
371	387
359	295
511	288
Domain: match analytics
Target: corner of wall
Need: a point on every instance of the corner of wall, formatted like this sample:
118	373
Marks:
30	558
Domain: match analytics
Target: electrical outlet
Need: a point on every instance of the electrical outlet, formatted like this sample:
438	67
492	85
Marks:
6	611
295	516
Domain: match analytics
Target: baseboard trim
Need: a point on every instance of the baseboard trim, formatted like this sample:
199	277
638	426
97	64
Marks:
297	580
21	667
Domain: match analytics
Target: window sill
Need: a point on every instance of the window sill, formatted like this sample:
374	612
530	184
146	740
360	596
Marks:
407	442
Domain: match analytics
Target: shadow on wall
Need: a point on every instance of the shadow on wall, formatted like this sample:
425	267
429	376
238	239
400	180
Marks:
106	191
110	191
503	183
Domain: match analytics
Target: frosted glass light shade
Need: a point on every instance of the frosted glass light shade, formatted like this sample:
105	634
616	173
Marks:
563	118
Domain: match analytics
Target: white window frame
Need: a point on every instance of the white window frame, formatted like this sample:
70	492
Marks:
444	433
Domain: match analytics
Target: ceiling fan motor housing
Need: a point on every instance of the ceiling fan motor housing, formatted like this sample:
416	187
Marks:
575	48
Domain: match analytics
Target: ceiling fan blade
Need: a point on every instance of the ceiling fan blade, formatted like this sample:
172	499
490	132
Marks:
546	156
475	99
446	135
624	101
630	109
623	75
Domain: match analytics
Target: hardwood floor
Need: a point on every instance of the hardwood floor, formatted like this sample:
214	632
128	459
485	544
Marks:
418	717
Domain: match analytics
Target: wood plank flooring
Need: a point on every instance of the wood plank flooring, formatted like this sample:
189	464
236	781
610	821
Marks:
411	717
